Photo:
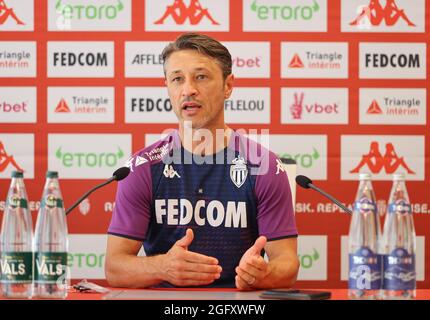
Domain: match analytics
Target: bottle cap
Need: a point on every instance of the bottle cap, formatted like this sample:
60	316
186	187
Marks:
399	176
17	174
51	174
365	176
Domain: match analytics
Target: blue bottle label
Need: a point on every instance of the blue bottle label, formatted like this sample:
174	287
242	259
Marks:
399	270
364	205
365	270
399	206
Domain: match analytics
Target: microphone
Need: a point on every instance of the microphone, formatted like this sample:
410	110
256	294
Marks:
306	183
118	175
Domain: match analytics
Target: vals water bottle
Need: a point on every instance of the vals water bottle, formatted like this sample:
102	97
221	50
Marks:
16	242
365	267
399	244
51	243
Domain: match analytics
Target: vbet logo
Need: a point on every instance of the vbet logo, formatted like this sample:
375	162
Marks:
18	59
312	254
84	261
309	60
73	59
393	106
81	104
393	60
382	156
87	156
285	15
248	105
250	59
309	151
187	15
419	255
93	15
18	104
143	59
17	15
148	105
16	154
383	16
314	105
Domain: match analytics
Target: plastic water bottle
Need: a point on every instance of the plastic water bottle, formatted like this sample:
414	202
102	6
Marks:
51	242
16	242
365	266
399	244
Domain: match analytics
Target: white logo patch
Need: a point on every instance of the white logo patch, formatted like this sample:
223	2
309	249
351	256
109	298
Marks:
279	167
169	172
238	171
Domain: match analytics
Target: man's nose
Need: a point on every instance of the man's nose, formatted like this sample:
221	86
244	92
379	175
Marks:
189	89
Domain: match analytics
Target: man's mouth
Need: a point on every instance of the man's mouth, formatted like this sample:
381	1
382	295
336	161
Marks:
190	106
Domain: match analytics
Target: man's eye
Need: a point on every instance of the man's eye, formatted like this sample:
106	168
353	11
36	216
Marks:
201	76
176	79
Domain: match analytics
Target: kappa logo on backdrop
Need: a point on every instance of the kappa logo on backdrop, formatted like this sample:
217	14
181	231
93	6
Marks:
376	162
6	159
376	14
8	13
179	12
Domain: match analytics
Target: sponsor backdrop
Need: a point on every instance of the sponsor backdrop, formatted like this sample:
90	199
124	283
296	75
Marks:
340	85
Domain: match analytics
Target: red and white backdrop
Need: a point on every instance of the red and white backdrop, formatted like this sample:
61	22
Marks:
341	85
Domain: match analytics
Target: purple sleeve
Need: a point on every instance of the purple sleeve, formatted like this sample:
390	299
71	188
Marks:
132	211
275	208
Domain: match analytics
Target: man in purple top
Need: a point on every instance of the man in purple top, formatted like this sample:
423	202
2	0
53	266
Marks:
206	202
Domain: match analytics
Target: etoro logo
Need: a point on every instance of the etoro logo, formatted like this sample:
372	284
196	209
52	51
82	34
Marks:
90	159
89	11
179	12
87	156
7	13
308	260
305	160
285	12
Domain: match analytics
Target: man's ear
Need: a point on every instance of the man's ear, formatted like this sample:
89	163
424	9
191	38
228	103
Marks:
228	86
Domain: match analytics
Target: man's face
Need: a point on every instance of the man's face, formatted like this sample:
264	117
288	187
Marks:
197	89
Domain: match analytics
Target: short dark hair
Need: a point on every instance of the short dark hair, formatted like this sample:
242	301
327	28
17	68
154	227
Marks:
204	45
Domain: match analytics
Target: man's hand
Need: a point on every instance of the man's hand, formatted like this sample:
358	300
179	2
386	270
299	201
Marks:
185	268
252	267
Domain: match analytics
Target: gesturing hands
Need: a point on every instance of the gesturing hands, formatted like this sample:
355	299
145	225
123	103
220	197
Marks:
186	268
252	267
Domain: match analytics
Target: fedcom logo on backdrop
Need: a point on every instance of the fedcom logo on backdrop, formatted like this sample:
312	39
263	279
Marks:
250	59
309	151
382	156
312	254
87	262
419	254
87	156
393	60
187	15
248	105
16	154
314	60
81	104
285	15
17	15
393	106
143	59
18	59
314	105
81	59
148	105
80	15
383	16
18	105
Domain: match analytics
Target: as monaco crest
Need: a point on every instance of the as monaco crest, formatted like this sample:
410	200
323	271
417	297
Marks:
238	171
